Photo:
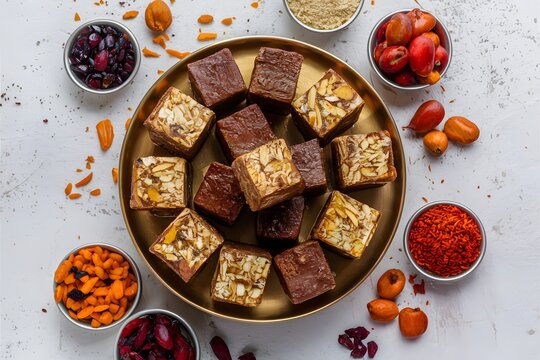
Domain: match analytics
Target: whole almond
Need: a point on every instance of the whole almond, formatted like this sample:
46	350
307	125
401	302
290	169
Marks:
382	310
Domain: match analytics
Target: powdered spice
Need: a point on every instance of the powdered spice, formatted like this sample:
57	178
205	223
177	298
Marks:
324	15
445	240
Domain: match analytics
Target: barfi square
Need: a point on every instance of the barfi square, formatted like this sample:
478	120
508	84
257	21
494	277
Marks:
308	158
282	221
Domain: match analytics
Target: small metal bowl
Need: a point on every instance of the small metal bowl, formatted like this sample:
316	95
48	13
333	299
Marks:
69	45
188	331
129	311
341	27
439	29
429	274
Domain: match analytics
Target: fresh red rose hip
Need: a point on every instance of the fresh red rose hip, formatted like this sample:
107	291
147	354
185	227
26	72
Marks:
381	33
427	117
441	58
399	30
405	78
393	59
421	21
379	50
422	55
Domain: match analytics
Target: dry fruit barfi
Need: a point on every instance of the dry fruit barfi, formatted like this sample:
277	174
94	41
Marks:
241	274
274	79
328	108
346	225
160	183
304	272
282	221
186	244
267	175
363	160
216	80
219	194
308	158
243	131
179	123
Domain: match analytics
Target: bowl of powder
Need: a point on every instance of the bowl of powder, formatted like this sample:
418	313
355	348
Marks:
324	16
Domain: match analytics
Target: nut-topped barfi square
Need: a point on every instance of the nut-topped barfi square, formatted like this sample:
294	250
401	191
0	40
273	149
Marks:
328	108
274	79
186	244
364	159
304	272
243	131
216	80
346	224
179	123
160	183
267	175
241	274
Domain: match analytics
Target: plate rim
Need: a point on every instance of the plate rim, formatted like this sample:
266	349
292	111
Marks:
224	43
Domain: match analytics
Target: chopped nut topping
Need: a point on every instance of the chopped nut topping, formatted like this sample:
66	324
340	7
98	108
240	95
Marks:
241	276
189	239
346	224
327	102
159	182
364	158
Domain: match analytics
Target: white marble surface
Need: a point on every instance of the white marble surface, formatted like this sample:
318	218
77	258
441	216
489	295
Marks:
494	79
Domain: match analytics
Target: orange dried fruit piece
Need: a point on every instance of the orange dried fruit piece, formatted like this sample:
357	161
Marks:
105	133
85	181
95	192
206	36
130	14
160	40
205	19
149	53
77	17
74	196
68	188
177	53
115	174
227	21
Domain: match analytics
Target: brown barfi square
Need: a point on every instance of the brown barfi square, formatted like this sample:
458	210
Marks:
186	244
216	80
363	160
179	123
308	158
274	79
328	108
346	225
241	274
304	272
267	175
160	183
243	132
282	221
219	194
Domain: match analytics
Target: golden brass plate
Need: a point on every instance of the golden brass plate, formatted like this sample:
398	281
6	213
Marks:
145	227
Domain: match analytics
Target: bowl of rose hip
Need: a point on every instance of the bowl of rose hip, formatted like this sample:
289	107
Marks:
102	56
445	241
156	334
410	49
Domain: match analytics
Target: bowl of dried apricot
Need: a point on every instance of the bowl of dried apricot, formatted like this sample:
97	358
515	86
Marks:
97	286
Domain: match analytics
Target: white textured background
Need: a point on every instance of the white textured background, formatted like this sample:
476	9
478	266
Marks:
494	80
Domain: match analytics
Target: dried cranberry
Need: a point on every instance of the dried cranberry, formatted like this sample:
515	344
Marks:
76	295
359	352
220	348
94	39
357	343
345	341
100	60
372	349
359	332
247	356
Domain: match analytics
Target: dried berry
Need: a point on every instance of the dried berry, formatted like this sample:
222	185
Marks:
390	284
382	310
359	332
372	348
80	274
345	341
221	350
158	16
359	352
76	295
412	322
247	356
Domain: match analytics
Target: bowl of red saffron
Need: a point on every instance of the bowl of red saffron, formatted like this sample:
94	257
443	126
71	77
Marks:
445	241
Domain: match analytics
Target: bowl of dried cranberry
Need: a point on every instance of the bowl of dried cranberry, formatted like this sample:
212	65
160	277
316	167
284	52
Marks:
102	56
445	241
410	49
156	334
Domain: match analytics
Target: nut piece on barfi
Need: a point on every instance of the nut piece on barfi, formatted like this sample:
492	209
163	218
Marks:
328	108
219	194
216	80
243	131
160	183
267	175
304	272
179	123
274	79
363	160
346	225
186	244
241	274
308	158
282	221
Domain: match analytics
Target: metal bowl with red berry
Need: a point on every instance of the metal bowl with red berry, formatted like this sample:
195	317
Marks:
410	49
102	56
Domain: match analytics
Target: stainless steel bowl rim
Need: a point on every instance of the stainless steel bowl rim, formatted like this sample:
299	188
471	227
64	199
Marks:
427	273
129	311
371	47
189	329
341	27
71	40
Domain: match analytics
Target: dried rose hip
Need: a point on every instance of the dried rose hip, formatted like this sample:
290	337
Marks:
220	348
372	349
102	56
345	341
